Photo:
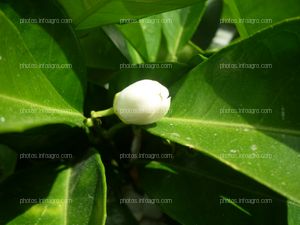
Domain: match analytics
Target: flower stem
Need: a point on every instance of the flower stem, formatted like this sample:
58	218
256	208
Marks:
102	113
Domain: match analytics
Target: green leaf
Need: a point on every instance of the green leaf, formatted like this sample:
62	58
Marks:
56	195
145	36
122	44
181	27
256	15
207	112
293	213
203	183
200	193
102	12
50	44
8	159
97	47
27	97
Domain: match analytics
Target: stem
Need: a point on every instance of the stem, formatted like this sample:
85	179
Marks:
102	113
196	47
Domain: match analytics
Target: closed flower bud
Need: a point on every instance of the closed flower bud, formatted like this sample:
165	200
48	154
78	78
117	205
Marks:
143	102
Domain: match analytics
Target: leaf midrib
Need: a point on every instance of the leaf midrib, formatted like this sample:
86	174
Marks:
76	113
40	106
232	125
68	180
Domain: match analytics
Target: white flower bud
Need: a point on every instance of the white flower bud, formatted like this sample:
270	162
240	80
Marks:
143	102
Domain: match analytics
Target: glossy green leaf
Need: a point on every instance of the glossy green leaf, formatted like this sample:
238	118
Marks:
152	30
145	36
215	109
51	42
102	12
179	27
27	96
132	34
56	195
249	16
202	183
123	44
